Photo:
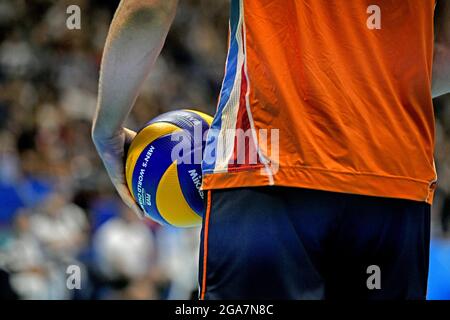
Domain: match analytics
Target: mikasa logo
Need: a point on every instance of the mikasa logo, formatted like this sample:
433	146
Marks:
197	179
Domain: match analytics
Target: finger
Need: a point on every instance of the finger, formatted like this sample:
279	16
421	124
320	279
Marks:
129	135
119	183
126	196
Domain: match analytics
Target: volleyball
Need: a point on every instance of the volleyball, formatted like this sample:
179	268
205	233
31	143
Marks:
163	167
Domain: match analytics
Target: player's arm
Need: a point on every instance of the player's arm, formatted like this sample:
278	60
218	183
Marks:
135	39
441	63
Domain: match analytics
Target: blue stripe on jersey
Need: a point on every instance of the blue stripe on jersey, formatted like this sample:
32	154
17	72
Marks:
209	161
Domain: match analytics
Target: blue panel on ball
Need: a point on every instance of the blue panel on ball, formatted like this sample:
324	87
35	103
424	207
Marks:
190	177
150	167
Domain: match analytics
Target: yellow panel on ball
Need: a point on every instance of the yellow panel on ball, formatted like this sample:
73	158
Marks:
145	137
171	203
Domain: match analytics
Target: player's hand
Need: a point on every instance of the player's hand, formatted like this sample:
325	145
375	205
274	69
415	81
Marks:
112	152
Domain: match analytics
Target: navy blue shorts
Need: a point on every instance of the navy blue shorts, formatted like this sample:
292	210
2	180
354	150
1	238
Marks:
291	243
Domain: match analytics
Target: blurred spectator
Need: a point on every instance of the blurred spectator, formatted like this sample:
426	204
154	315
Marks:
60	226
25	258
178	257
125	250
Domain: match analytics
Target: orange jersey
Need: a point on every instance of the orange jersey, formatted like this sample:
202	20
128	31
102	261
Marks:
342	90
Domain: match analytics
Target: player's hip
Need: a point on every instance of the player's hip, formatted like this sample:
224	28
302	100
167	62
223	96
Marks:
294	243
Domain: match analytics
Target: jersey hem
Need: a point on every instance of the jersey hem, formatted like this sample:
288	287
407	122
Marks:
368	184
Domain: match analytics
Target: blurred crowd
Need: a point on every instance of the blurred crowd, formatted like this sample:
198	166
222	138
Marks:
57	206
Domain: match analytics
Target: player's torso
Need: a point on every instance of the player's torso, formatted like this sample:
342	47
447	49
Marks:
346	83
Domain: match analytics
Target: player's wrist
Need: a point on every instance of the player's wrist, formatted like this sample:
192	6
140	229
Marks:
104	138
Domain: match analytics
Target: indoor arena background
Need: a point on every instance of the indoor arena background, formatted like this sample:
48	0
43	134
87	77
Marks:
57	205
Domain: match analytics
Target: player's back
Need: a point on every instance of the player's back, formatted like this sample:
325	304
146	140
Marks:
348	85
